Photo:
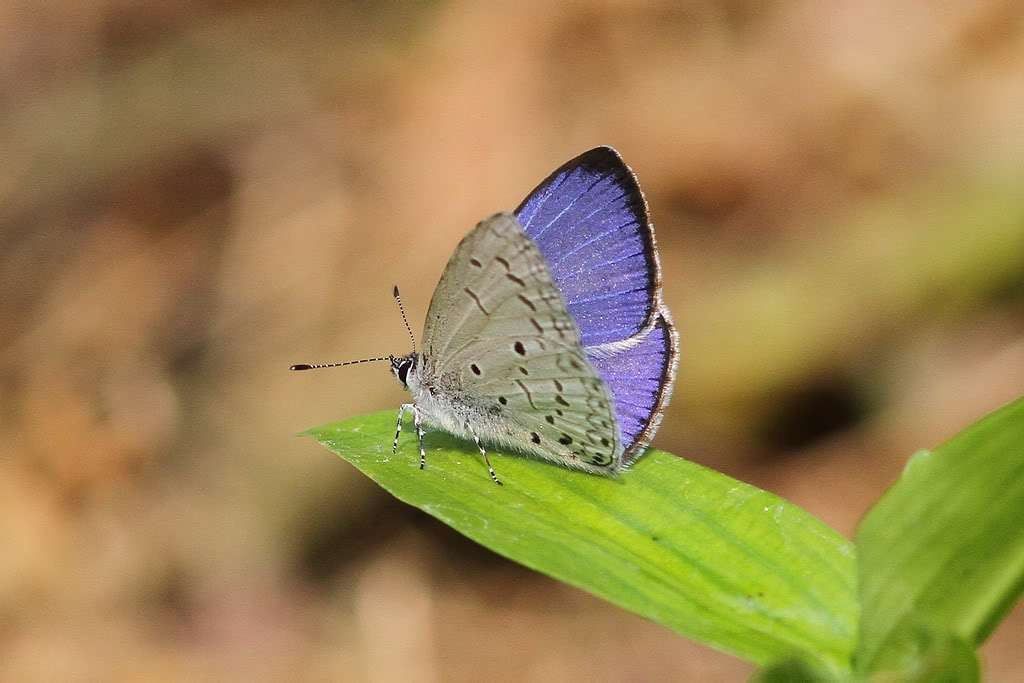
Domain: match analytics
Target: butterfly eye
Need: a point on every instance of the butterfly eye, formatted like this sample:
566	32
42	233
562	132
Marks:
403	371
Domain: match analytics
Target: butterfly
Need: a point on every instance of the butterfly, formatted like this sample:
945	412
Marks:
548	334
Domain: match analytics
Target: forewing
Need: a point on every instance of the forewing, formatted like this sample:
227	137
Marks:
589	220
498	328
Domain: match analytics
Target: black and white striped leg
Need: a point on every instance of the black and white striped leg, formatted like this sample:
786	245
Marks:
419	434
398	429
487	460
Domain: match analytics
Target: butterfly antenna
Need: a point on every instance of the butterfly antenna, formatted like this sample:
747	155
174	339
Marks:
317	366
401	309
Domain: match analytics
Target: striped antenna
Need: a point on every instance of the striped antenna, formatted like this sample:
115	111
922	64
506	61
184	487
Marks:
317	366
401	309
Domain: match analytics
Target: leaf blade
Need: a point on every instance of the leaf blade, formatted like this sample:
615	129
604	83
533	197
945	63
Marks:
703	554
944	547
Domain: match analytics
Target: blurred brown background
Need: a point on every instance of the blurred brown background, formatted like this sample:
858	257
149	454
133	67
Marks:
194	195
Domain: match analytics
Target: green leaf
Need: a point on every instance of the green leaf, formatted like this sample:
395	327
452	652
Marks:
925	656
944	547
793	671
713	558
917	654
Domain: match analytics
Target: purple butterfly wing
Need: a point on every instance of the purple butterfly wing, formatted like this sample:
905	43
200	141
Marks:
590	220
640	380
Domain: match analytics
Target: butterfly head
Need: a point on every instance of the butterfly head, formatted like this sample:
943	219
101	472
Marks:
403	366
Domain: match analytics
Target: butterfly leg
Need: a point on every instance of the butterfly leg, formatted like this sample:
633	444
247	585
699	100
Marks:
419	435
487	460
398	429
